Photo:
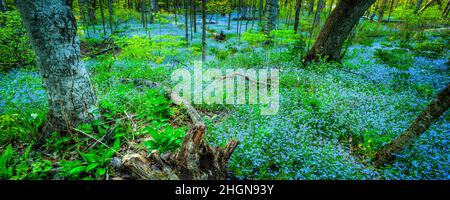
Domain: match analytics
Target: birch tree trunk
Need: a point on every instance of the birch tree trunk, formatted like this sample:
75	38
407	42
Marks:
431	113
52	30
336	29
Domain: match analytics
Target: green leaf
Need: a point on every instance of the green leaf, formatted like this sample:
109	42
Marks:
92	166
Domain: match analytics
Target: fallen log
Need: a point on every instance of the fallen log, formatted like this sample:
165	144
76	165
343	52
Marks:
197	160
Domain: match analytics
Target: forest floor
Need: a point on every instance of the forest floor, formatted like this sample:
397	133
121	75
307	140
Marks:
331	120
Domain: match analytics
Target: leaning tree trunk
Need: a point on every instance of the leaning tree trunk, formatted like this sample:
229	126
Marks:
271	15
2	7
298	7
52	30
336	29
431	113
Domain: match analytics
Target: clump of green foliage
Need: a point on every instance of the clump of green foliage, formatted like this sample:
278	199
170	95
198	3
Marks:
15	47
397	58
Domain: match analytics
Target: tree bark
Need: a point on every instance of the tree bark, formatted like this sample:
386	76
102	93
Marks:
382	10
111	14
203	31
271	15
432	112
298	7
336	30
2	6
52	30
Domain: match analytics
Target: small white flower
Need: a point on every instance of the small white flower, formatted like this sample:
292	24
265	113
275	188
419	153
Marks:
34	115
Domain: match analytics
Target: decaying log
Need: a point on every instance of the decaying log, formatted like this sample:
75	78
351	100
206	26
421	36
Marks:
197	160
438	106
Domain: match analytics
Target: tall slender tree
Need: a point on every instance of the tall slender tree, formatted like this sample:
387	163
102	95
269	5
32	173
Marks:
2	6
203	31
271	15
110	15
53	33
298	7
102	11
336	29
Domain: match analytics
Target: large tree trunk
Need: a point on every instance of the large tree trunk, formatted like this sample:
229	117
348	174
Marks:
52	30
336	29
431	113
271	15
298	7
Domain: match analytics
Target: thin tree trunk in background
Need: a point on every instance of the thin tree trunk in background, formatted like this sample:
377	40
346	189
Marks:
418	5
432	112
142	6
446	10
2	6
316	21
229	15
298	8
391	8
311	7
271	15
186	20
431	2
336	29
103	16
194	19
260	12
331	7
91	12
111	14
150	13
53	34
175	12
382	10
203	31
253	13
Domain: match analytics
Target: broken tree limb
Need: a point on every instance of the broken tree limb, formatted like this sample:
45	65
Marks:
432	112
197	160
